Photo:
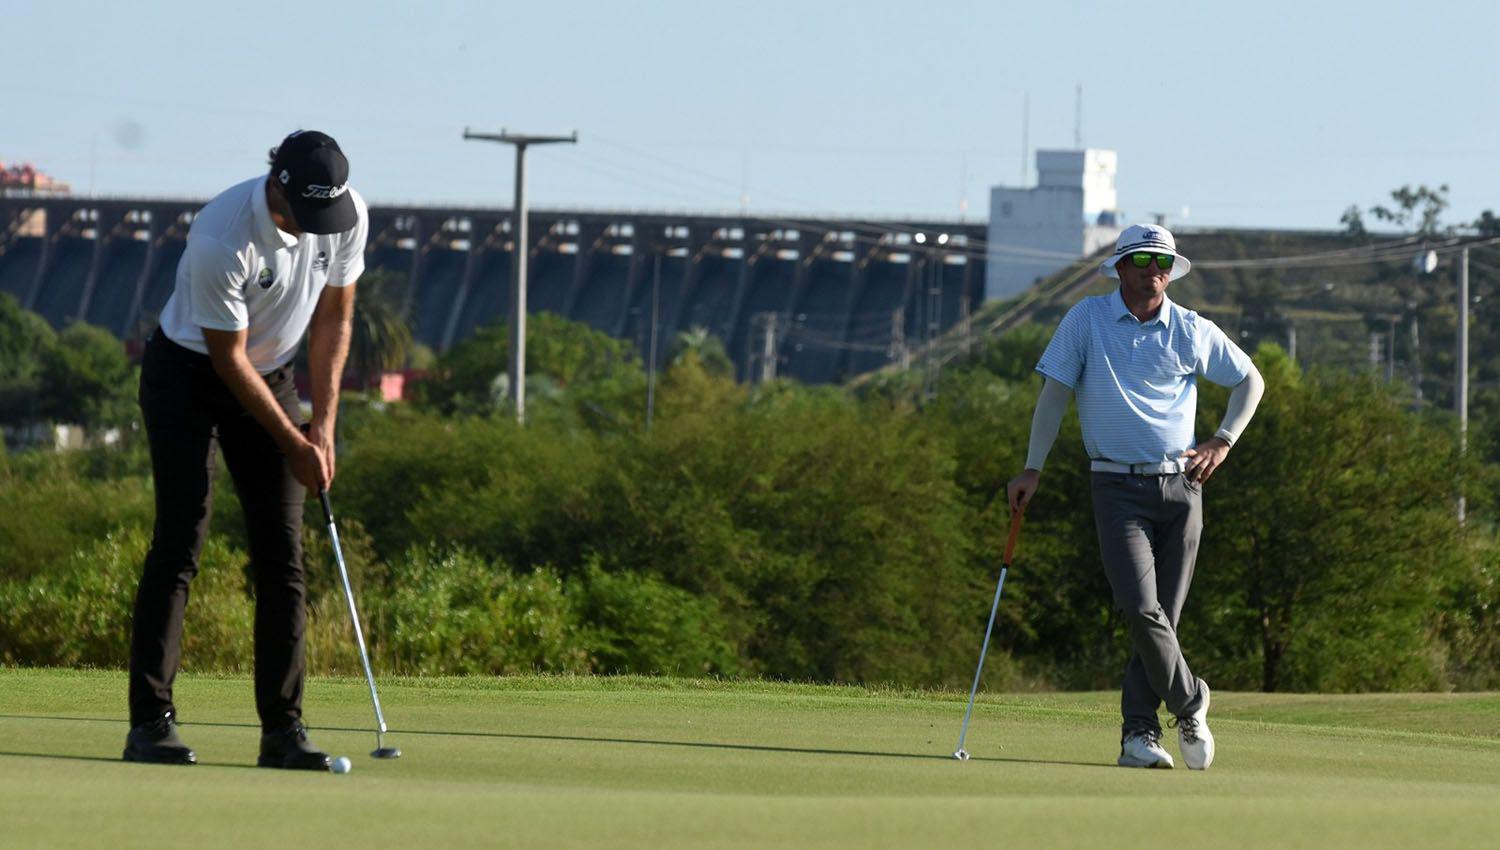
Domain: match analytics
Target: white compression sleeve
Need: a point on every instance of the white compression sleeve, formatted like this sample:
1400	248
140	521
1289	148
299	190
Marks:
1242	403
1051	404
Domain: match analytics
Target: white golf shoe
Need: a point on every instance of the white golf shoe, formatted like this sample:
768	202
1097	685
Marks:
1197	743
1143	749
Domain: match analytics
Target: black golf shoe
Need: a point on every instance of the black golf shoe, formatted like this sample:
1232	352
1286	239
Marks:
289	748
156	742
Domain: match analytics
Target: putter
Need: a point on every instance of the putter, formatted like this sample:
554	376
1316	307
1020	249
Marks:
1010	549
381	751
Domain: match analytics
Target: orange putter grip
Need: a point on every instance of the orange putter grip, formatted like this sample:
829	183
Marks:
1015	534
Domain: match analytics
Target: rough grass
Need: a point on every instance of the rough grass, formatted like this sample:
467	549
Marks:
637	762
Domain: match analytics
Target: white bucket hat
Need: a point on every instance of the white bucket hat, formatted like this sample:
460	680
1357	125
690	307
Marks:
1146	237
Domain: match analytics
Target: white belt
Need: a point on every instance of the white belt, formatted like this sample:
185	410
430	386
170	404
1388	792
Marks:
1165	467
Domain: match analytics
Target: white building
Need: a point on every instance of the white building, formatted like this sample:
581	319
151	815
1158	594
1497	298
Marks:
1070	213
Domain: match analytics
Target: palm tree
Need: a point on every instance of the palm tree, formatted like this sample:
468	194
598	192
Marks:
382	337
707	348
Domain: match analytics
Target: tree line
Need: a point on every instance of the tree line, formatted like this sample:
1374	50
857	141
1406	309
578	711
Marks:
787	531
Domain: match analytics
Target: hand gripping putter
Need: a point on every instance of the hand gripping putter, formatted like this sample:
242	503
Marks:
1010	550
381	751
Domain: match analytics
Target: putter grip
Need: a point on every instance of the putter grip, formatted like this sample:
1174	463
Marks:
1015	534
328	511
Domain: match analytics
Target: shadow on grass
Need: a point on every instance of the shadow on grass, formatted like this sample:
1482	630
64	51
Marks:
755	748
106	760
585	739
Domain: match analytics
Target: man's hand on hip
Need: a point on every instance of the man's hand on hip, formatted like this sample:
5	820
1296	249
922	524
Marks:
1204	458
1020	489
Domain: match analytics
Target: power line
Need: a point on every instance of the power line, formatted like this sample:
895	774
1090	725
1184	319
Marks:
877	233
1400	249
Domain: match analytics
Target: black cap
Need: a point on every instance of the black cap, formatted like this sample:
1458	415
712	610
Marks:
314	176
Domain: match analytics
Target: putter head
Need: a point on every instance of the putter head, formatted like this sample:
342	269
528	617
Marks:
961	754
385	753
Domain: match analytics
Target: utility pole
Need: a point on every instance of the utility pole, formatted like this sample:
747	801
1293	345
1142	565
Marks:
965	329
963	186
933	315
1078	118
1424	263
1390	351
518	256
1416	357
1461	397
898	351
768	350
651	357
1025	138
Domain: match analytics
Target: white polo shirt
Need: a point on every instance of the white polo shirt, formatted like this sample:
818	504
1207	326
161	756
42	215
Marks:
241	271
1137	382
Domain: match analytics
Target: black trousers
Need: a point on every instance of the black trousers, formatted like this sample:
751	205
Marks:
188	412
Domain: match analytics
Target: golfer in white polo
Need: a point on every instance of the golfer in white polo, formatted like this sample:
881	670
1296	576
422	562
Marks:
1133	359
267	261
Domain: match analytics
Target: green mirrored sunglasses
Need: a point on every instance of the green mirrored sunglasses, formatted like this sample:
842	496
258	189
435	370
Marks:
1142	259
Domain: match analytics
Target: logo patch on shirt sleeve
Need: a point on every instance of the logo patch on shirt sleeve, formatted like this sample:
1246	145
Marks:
266	278
320	263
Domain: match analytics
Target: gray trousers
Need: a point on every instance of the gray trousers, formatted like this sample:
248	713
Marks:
1149	527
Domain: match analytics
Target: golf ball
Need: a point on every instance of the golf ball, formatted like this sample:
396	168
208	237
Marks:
342	765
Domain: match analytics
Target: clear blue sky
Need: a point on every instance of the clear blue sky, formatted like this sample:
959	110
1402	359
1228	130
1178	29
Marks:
1273	113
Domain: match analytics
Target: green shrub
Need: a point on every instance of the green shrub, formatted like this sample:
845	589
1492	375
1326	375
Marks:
634	623
576	375
457	613
48	511
86	378
1467	618
331	647
798	532
829	532
78	613
513	494
1330	534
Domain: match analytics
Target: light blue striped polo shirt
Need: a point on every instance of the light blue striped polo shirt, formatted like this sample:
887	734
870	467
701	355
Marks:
1137	382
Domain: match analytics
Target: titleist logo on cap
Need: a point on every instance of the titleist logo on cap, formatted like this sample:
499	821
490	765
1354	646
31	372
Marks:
325	192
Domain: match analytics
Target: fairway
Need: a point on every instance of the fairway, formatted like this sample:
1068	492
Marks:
636	762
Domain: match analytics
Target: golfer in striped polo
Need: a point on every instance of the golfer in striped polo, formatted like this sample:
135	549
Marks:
1133	359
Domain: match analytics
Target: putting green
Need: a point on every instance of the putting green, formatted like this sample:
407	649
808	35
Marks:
633	762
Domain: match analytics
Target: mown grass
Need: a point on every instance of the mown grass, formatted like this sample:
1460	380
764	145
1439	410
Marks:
640	762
